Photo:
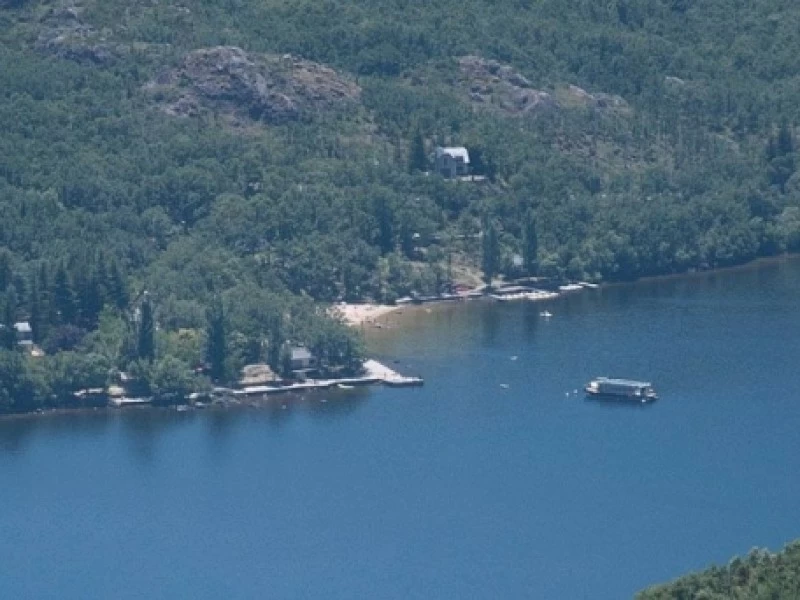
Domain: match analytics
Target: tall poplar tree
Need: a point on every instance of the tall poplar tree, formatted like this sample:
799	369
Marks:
530	244
216	343
38	311
491	251
117	286
146	347
417	161
64	296
6	274
8	335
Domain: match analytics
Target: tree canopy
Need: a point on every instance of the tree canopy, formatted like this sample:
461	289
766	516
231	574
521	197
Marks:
609	140
760	575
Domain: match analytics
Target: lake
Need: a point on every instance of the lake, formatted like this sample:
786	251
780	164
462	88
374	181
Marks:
494	480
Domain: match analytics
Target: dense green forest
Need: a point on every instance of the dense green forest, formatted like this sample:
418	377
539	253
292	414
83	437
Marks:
758	576
233	166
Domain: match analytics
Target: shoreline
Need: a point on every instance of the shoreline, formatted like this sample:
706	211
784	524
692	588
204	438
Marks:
374	373
378	318
367	313
761	261
377	314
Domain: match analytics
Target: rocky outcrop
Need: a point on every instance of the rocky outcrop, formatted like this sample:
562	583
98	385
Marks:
598	100
258	87
64	34
493	84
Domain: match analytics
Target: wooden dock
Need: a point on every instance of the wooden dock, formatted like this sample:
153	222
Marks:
119	402
374	372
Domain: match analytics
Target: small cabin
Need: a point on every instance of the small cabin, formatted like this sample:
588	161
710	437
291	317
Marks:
452	162
24	333
302	359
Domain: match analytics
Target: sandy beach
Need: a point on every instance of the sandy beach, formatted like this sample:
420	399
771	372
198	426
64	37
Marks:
361	314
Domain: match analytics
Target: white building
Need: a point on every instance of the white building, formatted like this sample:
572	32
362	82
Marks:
452	162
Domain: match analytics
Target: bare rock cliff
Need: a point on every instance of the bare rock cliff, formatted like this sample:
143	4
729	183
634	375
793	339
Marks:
259	87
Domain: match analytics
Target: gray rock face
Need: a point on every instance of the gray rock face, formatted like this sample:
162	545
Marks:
598	100
494	84
269	88
65	35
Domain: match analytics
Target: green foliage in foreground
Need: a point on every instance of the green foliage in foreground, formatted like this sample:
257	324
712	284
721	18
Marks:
759	576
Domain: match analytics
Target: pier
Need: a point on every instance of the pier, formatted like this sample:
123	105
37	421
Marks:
374	372
119	402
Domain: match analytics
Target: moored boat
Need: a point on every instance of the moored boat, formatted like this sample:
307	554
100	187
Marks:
624	389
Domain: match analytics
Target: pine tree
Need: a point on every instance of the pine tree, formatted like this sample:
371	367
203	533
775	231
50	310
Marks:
216	344
90	301
101	278
385	218
8	335
6	274
491	251
21	288
785	144
417	161
64	297
38	318
49	309
146	348
276	340
530	244
117	286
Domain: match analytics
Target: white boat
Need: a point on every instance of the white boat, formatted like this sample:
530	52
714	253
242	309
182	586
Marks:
570	287
546	314
627	389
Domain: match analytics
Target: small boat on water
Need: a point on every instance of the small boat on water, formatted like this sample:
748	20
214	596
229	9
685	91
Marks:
622	389
546	314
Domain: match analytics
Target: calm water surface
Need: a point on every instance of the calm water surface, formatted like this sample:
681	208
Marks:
460	489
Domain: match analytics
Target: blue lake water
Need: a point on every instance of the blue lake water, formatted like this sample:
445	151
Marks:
459	489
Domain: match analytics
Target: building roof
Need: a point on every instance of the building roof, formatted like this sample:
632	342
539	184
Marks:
624	382
23	327
454	152
301	353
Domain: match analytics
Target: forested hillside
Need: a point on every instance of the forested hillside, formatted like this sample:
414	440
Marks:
759	576
243	161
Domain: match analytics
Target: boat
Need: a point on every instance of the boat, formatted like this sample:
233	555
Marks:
624	389
546	314
570	287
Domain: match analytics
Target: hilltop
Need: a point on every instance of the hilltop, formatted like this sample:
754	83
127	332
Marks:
759	575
